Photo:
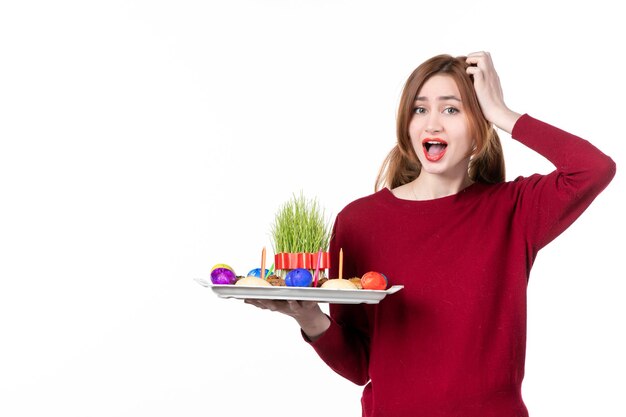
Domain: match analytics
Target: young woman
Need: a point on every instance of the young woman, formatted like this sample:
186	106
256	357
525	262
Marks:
460	239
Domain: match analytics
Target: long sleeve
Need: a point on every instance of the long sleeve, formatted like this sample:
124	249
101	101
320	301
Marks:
551	203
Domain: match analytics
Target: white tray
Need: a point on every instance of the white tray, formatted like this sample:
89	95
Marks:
322	295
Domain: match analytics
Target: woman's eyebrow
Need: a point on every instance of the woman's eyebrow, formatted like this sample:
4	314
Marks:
440	98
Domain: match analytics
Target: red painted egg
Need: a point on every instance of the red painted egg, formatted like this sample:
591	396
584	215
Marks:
374	281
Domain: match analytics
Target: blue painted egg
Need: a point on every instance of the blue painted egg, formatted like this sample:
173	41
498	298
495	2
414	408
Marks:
299	277
256	272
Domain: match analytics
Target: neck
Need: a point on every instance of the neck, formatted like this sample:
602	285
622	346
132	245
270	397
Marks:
429	187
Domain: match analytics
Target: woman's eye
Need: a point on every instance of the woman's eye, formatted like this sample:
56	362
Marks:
419	110
450	110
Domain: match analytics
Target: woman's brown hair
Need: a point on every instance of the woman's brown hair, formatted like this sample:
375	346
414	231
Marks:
402	165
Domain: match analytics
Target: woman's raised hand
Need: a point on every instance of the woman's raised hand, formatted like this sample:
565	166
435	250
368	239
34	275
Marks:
489	91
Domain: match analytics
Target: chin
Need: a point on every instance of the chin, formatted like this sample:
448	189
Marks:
434	168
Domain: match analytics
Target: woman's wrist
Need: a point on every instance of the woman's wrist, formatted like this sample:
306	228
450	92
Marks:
506	119
314	327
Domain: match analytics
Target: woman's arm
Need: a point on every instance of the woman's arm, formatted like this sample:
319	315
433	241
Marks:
549	204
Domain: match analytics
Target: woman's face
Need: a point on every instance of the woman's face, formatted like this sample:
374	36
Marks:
439	130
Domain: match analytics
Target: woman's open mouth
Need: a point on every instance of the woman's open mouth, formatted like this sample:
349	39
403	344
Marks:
434	148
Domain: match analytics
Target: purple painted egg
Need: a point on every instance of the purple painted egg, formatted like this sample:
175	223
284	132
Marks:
223	276
299	277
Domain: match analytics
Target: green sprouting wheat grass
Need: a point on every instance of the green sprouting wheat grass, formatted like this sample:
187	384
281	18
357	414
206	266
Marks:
300	226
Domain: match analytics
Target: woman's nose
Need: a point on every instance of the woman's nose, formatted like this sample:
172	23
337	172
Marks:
433	125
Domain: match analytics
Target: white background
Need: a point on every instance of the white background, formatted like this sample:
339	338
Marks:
144	141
